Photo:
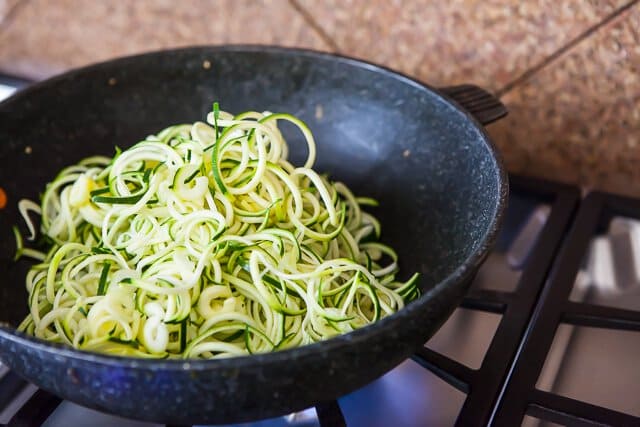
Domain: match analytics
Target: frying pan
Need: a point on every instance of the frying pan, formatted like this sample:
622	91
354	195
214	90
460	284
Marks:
441	187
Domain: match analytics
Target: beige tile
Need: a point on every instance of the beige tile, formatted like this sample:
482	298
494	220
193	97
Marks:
46	37
487	42
578	120
5	7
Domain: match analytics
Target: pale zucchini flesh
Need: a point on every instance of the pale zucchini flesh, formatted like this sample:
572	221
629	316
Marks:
203	241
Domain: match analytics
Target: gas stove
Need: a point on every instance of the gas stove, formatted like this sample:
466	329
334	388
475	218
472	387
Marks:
547	334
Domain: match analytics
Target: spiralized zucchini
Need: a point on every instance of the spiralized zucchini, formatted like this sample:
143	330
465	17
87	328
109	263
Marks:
203	241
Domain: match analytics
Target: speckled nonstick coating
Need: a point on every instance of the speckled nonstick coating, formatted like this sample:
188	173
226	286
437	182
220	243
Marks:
441	188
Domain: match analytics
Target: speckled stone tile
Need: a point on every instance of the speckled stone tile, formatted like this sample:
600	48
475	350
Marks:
578	119
46	37
454	41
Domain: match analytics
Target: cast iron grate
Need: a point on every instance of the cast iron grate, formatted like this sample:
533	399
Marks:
483	386
520	395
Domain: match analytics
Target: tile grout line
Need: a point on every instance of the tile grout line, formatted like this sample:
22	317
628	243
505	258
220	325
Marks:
314	25
4	23
527	74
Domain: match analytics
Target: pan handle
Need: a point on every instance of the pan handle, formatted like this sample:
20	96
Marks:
485	107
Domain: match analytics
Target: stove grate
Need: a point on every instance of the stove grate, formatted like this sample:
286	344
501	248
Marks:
520	396
486	382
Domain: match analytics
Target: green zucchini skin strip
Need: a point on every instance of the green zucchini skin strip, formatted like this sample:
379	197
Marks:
204	241
102	284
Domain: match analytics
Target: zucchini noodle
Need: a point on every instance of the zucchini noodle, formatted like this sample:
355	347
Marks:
203	241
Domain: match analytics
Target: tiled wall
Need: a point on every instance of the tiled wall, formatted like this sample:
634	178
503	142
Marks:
569	71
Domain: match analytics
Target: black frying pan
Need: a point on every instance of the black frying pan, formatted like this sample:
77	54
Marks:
441	188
